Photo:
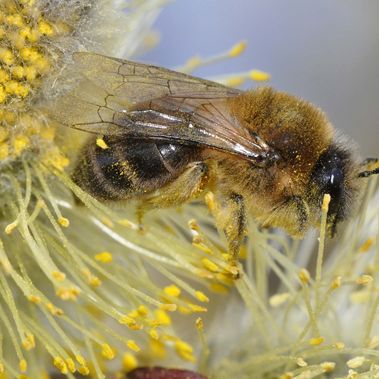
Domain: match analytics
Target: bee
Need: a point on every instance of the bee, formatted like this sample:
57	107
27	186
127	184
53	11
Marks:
168	138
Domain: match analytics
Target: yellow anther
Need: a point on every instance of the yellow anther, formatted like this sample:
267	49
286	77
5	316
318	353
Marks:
15	88
58	275
259	76
18	72
71	365
209	265
10	227
129	362
364	280
304	276
20	143
4	76
34	299
301	362
3	94
45	28
130	323
104	257
154	334
132	345
356	362
81	360
219	288
158	349
336	283
60	364
14	19
23	365
70	293
316	341
29	342
7	56
199	324
328	366
162	317
279	299
366	246
142	311
197	308
107	352
201	297
184	350
169	307
210	201
63	221
83	370
55	311
237	49
101	143
172	290
4	133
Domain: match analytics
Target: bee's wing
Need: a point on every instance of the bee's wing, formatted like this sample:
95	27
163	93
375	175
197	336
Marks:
115	96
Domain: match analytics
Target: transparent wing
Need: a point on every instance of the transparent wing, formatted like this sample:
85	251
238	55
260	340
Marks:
115	96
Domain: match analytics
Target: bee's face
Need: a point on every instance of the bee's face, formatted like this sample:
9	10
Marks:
334	174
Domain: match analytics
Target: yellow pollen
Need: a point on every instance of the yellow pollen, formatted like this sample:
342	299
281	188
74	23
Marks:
364	280
129	362
209	265
83	370
328	366
279	299
259	76
366	245
218	288
58	275
202	297
199	324
104	257
154	334
45	28
316	341
29	342
325	202
10	227
304	276
336	282
237	49
142	310
63	221
55	311
60	364
184	350
101	143
172	290
81	360
301	362
71	365
34	299
71	293
23	365
132	345
162	317
107	352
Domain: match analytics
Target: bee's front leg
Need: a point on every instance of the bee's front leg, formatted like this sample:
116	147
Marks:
230	216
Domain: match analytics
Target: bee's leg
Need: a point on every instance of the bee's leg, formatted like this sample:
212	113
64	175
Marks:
230	216
185	187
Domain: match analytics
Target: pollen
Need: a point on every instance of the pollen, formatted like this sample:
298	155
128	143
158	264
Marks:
132	345
259	76
366	245
237	49
364	280
172	290
129	362
201	297
29	342
60	364
304	276
104	257
58	275
101	143
328	366
316	341
23	365
107	352
356	362
184	350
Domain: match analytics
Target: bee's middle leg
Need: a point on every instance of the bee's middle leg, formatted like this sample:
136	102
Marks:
230	216
184	188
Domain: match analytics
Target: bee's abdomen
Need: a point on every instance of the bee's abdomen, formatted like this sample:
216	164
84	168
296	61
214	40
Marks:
128	168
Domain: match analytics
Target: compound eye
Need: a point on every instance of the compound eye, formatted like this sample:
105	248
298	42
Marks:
335	182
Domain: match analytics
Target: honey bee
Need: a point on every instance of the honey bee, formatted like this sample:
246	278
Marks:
167	138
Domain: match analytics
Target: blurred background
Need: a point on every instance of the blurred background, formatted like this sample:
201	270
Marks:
324	51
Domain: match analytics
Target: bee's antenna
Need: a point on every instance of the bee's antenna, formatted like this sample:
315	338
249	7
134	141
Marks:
366	174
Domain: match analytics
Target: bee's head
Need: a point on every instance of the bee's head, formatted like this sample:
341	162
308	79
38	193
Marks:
334	174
